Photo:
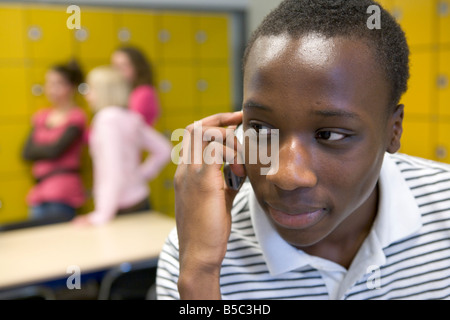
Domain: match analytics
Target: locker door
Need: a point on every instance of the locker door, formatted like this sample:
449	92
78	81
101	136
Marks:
13	43
211	37
213	85
96	40
13	206
418	99
418	139
176	36
12	140
138	28
177	88
13	88
415	17
48	37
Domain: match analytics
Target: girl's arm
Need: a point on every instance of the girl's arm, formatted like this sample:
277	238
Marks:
35	151
159	148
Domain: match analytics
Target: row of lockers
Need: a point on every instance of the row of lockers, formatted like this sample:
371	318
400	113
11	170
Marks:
164	36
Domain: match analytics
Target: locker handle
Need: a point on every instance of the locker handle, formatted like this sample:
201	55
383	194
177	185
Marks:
441	152
202	85
201	37
397	13
35	33
164	36
124	35
37	90
442	81
82	34
443	9
165	86
83	88
168	184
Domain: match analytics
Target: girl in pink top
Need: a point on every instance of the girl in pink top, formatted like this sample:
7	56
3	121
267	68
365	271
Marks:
55	146
117	140
135	68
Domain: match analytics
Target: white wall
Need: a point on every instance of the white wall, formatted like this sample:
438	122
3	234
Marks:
257	10
166	4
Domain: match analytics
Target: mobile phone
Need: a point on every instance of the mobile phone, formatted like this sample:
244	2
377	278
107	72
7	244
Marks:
233	181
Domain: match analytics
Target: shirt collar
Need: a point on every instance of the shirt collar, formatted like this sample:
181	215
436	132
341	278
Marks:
398	216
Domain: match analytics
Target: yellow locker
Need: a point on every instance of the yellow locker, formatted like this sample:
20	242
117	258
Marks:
12	140
160	124
443	84
418	138
169	189
48	37
12	32
443	145
416	18
138	28
13	88
157	195
213	85
179	122
418	98
13	206
177	90
176	36
444	21
97	38
211	37
162	193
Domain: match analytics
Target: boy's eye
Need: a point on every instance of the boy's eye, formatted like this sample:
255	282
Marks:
330	136
260	128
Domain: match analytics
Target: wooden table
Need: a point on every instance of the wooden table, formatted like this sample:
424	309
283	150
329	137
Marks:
44	253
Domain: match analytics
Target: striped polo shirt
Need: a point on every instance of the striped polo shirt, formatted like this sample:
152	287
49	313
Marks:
406	255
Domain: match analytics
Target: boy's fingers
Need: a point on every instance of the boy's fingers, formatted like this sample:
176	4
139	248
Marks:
223	119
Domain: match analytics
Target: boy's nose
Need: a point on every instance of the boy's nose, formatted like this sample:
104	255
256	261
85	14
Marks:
295	167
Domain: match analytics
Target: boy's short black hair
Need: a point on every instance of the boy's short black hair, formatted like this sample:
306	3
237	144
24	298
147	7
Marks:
343	18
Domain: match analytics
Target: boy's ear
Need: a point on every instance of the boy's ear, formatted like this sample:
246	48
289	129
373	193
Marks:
395	124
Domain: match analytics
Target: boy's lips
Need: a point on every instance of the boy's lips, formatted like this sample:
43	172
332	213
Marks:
299	218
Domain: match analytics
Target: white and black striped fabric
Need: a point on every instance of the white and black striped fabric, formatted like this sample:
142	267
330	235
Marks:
416	266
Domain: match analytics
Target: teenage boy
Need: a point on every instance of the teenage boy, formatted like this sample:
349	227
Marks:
344	216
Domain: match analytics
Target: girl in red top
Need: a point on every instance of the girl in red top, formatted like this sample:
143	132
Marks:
55	145
135	68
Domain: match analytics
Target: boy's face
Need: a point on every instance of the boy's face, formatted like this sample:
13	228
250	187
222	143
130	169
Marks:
329	100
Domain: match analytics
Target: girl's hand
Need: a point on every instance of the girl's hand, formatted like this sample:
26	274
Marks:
81	221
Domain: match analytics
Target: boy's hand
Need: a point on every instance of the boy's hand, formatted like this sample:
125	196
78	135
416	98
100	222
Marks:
202	207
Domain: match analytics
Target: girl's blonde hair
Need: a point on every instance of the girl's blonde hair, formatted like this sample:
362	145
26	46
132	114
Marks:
110	88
